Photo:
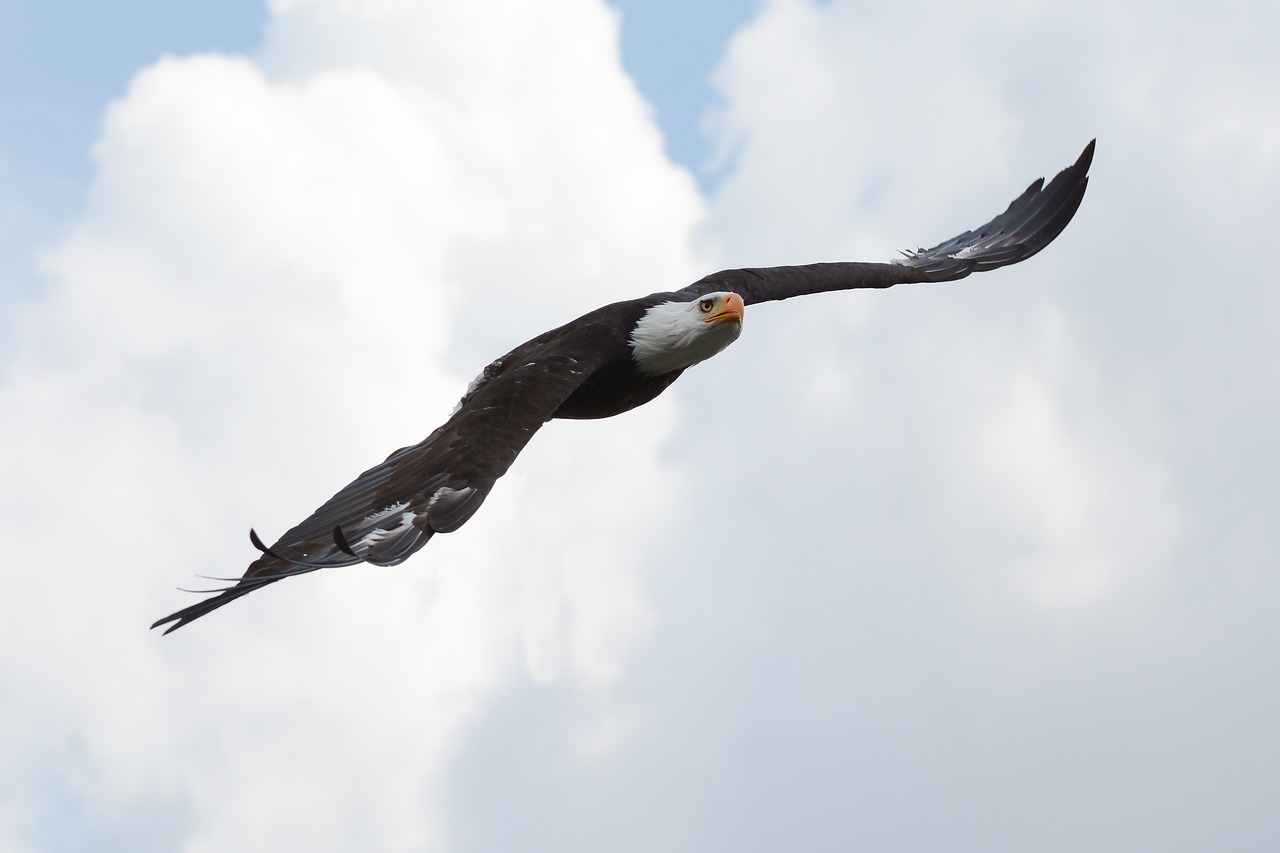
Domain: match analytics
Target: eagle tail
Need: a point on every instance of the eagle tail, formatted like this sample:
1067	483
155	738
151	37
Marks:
226	596
267	569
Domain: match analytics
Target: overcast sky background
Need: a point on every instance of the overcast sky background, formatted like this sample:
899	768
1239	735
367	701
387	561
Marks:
987	566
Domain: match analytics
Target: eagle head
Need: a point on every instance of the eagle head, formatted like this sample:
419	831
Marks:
675	335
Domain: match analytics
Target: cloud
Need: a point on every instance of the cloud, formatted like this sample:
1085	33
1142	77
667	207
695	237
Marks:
978	566
261	298
1018	417
974	534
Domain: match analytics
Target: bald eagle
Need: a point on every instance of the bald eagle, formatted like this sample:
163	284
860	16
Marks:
604	363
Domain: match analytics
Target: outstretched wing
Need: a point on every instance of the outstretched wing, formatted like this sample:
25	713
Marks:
1027	226
393	509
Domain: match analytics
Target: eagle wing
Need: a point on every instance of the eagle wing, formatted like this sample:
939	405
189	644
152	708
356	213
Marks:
1029	224
435	486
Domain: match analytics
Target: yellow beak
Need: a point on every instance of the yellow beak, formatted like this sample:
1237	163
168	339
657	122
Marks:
731	307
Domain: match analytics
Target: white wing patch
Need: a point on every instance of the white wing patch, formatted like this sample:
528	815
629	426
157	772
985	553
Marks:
383	533
387	512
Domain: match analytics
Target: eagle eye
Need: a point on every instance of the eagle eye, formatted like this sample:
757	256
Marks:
706	305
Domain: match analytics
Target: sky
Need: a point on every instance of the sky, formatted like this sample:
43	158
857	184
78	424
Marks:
979	566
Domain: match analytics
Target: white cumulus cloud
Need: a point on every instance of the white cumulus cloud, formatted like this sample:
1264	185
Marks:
982	566
260	299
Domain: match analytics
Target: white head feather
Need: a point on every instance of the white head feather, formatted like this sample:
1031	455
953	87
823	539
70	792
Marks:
676	335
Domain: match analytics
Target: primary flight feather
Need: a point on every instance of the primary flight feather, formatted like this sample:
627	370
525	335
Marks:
602	364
